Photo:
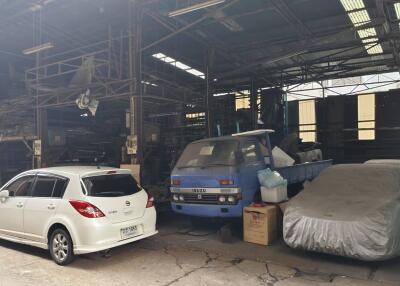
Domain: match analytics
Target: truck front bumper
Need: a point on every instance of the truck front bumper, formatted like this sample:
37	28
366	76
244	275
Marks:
203	210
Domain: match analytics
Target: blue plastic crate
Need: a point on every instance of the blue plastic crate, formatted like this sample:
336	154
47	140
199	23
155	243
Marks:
303	172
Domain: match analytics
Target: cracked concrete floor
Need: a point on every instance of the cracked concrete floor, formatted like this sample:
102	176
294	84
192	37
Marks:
178	257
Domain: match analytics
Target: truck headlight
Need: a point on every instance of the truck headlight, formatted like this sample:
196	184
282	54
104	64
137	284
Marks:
231	199
222	199
175	197
181	198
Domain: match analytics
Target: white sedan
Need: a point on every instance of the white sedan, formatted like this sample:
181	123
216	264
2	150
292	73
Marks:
75	210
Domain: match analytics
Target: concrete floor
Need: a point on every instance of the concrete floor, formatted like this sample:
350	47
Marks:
178	256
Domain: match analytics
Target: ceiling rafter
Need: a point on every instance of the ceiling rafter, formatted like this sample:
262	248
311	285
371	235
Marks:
188	26
387	28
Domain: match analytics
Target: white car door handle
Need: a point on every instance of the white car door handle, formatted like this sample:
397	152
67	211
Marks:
51	207
20	205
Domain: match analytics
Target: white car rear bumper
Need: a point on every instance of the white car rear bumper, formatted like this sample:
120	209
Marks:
100	234
88	249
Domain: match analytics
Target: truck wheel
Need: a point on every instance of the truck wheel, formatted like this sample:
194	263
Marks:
225	233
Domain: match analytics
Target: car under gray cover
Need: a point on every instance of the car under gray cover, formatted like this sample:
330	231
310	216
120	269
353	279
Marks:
350	210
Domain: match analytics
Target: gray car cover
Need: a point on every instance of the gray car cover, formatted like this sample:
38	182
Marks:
394	162
349	210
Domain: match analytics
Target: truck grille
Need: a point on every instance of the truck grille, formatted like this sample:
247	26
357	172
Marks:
201	198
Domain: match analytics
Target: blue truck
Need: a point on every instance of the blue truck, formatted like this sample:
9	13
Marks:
217	177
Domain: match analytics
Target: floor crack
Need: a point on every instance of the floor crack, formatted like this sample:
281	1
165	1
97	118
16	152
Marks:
208	260
183	276
269	278
166	251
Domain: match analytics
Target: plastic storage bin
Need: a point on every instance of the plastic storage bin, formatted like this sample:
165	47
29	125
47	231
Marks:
274	195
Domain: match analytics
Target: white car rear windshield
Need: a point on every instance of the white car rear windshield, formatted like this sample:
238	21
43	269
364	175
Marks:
116	185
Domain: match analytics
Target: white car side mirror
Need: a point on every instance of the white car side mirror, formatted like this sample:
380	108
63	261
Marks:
4	194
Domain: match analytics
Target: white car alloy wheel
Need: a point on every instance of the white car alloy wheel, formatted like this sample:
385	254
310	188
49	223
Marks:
61	247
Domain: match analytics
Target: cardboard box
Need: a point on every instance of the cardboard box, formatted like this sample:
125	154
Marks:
260	224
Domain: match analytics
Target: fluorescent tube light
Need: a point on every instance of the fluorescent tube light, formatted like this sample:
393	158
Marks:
179	65
158	55
149	83
195	7
196	73
38	48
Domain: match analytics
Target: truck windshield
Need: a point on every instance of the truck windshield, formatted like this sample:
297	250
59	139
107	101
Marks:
209	153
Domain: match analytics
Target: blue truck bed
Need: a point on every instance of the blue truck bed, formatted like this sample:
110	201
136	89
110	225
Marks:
302	172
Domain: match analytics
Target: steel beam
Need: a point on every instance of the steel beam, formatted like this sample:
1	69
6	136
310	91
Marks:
387	28
188	26
284	10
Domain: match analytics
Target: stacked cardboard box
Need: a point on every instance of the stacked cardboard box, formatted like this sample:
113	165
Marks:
260	224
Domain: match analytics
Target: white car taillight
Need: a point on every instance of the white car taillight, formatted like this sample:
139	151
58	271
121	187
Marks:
86	209
150	201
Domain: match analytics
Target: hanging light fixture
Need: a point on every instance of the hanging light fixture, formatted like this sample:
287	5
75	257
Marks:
195	7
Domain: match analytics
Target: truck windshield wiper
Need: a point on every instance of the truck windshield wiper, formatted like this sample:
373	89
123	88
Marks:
218	164
207	165
184	167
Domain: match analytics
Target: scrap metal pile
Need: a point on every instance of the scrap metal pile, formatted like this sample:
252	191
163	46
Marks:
17	117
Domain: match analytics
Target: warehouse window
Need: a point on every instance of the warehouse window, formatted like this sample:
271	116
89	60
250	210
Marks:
195	115
242	100
307	122
366	117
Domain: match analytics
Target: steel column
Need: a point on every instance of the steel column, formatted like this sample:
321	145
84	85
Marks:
135	87
209	92
253	104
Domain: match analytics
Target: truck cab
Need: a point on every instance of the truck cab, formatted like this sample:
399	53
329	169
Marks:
217	177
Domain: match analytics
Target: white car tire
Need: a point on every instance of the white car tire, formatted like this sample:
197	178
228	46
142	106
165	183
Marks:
61	247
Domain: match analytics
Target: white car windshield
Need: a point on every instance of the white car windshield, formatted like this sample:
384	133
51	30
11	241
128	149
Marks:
116	185
209	153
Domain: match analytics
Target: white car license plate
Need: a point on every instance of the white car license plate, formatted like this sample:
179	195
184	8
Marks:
129	231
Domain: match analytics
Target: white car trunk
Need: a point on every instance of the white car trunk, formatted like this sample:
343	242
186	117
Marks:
121	209
116	194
